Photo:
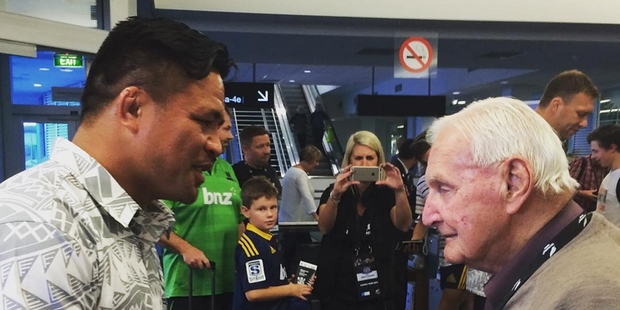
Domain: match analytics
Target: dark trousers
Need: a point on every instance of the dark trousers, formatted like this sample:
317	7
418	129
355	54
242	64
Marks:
223	301
317	138
301	138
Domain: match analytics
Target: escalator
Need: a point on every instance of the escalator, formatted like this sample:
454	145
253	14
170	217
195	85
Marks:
284	147
307	96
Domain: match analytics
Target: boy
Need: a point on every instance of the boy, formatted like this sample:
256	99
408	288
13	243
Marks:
260	279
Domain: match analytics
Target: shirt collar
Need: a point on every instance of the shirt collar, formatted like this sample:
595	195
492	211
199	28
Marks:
503	281
254	229
105	190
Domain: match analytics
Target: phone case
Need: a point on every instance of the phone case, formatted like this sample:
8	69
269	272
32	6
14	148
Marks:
367	174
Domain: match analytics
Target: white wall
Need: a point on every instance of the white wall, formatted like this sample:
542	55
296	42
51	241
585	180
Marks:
564	11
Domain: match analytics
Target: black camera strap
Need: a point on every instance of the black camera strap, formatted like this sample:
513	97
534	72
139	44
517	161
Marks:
551	248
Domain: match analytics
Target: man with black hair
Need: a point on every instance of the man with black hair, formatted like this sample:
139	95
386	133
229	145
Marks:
256	147
78	230
605	144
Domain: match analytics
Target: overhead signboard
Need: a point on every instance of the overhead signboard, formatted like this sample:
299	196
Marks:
68	61
415	56
248	95
393	105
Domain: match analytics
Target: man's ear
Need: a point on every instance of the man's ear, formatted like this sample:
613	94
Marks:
519	180
614	147
556	103
130	106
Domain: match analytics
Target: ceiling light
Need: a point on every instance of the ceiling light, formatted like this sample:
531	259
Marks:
456	92
454	102
605	100
400	126
503	82
461	102
44	69
66	70
307	71
37	85
291	81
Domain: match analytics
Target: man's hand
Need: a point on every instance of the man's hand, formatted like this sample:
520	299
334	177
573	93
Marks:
588	193
195	258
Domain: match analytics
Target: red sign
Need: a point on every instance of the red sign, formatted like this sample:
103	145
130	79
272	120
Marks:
416	55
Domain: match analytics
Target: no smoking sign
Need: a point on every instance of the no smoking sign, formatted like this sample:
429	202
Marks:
416	55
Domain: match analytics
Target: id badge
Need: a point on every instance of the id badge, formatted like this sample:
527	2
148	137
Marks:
367	276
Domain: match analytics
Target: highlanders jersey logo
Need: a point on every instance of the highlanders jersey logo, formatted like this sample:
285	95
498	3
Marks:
255	271
216	198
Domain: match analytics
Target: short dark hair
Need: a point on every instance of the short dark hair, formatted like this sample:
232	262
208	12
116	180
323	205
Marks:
414	148
566	85
310	152
605	136
159	55
257	188
248	133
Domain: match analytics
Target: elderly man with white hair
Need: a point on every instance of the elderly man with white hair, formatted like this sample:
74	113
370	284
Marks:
500	193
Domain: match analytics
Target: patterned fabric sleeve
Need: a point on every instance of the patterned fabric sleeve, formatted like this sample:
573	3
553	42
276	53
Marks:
41	267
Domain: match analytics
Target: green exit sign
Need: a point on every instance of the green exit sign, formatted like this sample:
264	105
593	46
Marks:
68	61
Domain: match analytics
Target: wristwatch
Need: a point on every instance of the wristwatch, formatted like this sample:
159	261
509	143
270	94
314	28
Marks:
333	198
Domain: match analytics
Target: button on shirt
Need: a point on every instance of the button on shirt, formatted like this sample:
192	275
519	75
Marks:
72	238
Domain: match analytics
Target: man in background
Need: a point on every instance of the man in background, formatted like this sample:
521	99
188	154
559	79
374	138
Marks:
205	231
78	230
589	173
567	102
605	143
256	147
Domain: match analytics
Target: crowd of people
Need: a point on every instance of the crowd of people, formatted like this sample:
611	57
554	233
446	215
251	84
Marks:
520	227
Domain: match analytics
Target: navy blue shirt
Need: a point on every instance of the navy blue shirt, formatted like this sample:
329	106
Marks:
258	265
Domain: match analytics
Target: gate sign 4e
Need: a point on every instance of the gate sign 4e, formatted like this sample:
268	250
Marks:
416	55
248	95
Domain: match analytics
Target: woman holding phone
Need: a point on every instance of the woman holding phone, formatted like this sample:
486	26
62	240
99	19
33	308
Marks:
358	219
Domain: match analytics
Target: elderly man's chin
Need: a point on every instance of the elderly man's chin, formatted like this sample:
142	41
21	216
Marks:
452	256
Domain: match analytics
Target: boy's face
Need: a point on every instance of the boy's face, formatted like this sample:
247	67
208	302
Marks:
263	213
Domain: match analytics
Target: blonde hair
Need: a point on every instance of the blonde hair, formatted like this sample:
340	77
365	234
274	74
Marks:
500	128
365	138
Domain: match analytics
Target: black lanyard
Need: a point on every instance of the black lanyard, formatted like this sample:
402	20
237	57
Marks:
358	233
551	248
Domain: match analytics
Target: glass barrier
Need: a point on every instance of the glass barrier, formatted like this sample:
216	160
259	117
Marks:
39	140
54	79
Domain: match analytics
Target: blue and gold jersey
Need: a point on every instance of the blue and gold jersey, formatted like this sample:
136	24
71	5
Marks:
258	266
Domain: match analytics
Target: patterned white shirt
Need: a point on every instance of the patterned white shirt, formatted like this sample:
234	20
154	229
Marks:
72	238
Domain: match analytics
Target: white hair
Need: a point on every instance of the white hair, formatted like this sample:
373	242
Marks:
499	128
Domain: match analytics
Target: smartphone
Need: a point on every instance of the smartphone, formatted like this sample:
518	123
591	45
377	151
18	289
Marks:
367	174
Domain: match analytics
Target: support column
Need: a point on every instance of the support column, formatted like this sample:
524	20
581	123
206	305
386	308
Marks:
121	9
